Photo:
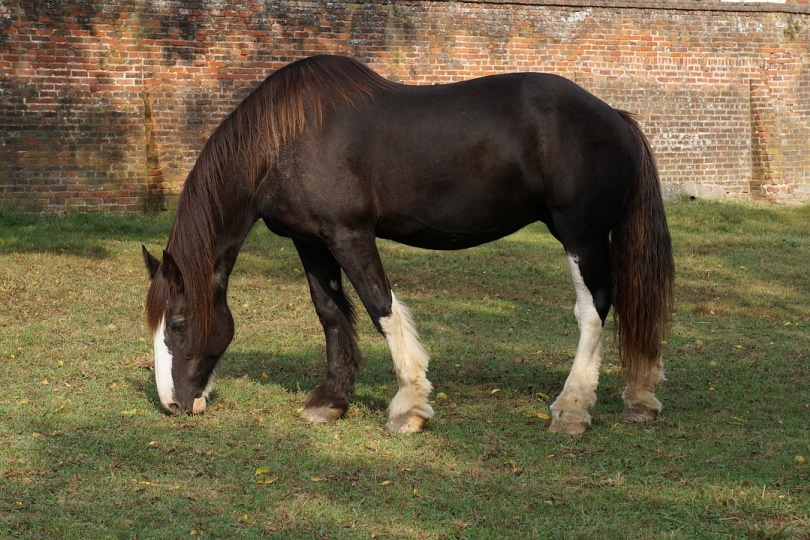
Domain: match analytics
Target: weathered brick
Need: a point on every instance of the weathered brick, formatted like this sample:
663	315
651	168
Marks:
106	105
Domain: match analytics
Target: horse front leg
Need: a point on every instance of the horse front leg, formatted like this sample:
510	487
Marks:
570	411
330	399
410	408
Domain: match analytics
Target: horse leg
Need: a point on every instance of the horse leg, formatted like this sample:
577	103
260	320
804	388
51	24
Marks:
640	403
410	409
330	399
570	409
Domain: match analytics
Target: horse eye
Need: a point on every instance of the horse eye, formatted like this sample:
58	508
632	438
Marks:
177	326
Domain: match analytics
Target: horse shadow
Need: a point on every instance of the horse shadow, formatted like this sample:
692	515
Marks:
290	373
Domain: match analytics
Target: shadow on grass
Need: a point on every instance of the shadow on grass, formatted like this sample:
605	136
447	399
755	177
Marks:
83	234
174	484
741	251
150	475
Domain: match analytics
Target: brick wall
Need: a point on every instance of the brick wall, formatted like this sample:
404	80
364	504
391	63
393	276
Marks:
105	105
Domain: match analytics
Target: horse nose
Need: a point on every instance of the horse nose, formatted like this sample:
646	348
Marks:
174	408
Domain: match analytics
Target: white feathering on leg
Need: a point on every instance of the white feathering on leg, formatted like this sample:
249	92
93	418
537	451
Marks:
410	362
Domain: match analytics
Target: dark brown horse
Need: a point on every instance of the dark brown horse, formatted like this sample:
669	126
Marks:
333	156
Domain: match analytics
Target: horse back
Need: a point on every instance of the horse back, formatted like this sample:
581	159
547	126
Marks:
451	166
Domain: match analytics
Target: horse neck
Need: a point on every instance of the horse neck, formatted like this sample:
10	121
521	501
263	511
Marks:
236	218
212	221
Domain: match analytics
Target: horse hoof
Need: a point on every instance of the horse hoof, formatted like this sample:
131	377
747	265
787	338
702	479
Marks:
569	428
407	423
322	414
639	413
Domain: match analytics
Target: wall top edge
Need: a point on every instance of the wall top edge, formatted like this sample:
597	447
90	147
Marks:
766	6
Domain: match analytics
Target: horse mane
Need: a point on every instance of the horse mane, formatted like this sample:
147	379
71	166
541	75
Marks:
294	99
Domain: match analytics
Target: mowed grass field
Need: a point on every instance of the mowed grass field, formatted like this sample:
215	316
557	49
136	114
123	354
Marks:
87	452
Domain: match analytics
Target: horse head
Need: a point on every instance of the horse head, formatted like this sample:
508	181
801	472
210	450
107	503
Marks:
187	347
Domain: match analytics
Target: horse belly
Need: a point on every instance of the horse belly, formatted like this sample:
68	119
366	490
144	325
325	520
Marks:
450	207
431	238
449	223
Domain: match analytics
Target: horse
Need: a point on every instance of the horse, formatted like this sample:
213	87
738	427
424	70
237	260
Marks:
333	156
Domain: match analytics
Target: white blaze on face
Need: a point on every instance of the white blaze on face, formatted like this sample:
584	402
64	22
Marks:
163	367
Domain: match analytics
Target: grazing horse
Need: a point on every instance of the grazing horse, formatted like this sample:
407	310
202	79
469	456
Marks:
333	156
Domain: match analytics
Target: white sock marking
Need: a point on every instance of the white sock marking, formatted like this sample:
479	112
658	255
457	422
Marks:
579	393
410	362
163	366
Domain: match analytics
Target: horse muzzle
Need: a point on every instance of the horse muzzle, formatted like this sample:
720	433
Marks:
197	407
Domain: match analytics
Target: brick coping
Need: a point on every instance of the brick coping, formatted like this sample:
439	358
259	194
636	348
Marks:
790	6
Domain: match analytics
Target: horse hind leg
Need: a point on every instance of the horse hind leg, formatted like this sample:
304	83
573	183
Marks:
330	400
640	403
570	411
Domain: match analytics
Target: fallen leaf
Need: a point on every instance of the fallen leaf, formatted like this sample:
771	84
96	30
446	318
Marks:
267	481
495	390
262	471
386	483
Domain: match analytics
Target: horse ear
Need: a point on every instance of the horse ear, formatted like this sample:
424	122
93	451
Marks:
172	272
152	264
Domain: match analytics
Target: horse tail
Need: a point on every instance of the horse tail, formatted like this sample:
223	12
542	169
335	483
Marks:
642	268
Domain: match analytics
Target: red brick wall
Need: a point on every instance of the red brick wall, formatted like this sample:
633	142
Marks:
105	105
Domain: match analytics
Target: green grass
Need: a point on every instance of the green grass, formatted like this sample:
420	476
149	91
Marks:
85	451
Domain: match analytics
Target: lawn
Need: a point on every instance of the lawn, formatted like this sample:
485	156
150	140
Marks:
86	451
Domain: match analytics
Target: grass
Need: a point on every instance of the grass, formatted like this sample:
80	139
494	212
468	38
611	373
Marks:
85	451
